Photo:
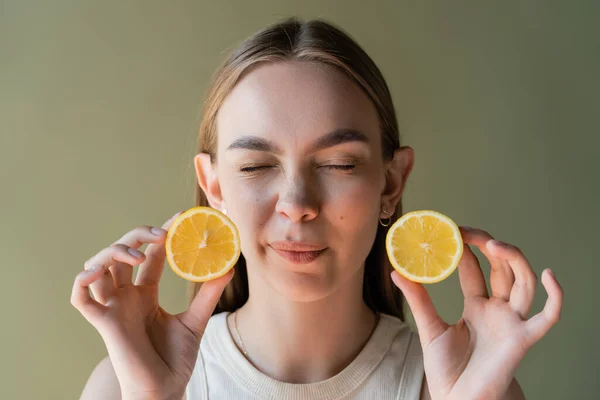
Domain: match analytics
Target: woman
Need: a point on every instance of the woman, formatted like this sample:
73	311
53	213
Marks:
299	145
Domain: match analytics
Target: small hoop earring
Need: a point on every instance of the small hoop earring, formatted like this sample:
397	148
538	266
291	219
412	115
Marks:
389	218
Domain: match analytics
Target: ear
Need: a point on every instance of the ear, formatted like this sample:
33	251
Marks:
208	180
396	173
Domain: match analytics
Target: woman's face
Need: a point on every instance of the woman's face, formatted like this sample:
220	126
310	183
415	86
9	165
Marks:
300	163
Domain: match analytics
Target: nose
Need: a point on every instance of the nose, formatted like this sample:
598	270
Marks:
298	200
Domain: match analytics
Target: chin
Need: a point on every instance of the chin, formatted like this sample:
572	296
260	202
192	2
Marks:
303	282
300	286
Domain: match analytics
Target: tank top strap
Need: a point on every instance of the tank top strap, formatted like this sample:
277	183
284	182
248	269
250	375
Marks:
413	370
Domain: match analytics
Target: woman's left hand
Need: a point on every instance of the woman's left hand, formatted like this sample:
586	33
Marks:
477	357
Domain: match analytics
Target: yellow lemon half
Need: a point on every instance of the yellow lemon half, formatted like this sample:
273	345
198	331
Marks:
202	244
424	246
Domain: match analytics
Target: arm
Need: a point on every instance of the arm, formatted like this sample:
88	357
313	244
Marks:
514	391
103	383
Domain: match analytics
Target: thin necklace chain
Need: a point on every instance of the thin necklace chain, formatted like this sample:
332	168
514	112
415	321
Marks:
237	333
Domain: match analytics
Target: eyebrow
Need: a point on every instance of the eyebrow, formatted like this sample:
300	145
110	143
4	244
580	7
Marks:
339	136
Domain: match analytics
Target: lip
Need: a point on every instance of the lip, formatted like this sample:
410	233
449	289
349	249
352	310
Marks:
296	246
299	257
298	253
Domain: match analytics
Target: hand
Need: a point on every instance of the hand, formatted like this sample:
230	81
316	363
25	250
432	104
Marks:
477	357
153	352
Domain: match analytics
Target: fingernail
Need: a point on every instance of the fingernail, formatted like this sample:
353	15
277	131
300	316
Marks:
134	252
157	231
467	228
551	273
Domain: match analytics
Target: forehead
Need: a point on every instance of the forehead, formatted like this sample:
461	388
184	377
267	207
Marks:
295	101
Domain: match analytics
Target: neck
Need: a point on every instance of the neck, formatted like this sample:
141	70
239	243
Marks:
304	342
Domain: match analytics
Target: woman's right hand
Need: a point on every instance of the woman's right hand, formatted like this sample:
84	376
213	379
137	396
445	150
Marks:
153	352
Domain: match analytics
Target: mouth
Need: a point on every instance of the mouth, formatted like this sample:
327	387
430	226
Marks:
298	253
299	257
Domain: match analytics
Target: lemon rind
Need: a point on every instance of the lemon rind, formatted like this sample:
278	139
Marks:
420	279
228	266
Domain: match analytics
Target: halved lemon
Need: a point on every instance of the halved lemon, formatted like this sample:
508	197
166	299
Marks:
424	246
202	244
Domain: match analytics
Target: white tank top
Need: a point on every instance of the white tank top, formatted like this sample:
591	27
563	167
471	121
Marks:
390	366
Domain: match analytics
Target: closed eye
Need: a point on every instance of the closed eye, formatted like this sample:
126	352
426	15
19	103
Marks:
247	170
341	167
348	167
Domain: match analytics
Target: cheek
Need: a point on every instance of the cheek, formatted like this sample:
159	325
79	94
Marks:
250	208
354	211
349	203
353	201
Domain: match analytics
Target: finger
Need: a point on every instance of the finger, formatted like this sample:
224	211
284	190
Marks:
118	255
103	287
122	270
539	324
501	275
429	323
80	295
134	239
197	315
472	281
151	269
523	290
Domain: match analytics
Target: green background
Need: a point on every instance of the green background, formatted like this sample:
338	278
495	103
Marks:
100	105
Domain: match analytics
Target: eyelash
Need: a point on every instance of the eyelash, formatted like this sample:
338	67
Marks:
345	167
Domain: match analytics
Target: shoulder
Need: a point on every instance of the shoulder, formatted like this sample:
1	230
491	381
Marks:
216	331
414	359
215	337
102	383
403	331
216	325
399	329
405	355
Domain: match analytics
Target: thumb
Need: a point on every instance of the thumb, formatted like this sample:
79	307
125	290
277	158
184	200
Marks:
429	323
197	315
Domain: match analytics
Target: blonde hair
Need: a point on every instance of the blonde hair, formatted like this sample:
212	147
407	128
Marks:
320	42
